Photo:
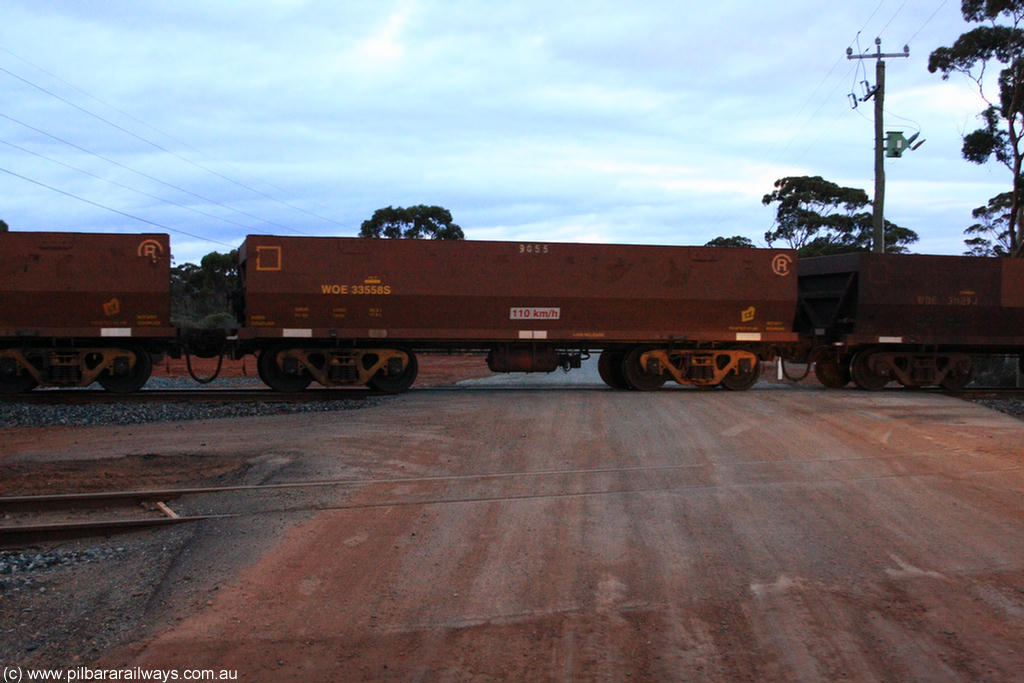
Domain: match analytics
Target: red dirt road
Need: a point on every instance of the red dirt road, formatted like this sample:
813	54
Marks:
702	536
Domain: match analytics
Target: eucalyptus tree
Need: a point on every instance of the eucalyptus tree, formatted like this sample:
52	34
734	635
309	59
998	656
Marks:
816	217
998	41
414	222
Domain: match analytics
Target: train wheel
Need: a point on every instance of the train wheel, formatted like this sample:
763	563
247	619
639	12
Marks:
609	366
396	384
134	379
832	373
863	376
741	381
11	382
275	378
957	377
637	377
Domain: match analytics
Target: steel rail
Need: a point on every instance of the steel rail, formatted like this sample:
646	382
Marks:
255	395
39	502
21	535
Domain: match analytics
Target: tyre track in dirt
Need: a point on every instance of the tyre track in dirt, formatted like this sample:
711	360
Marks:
793	535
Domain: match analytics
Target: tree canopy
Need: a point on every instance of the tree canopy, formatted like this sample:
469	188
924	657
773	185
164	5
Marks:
1000	39
208	294
991	235
3	226
734	241
414	222
816	217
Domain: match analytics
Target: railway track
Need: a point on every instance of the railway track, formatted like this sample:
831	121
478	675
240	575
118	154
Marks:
988	392
32	519
255	395
62	516
262	395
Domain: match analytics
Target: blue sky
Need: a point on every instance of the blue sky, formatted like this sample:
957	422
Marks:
651	122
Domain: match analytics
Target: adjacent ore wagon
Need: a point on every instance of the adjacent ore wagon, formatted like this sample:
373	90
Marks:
354	311
77	308
913	319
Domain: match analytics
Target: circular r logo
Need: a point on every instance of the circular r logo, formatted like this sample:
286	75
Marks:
782	264
150	249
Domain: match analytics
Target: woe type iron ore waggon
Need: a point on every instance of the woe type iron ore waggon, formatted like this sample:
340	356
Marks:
81	308
354	311
77	308
913	319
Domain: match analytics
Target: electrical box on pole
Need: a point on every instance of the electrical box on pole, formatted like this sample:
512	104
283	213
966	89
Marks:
895	143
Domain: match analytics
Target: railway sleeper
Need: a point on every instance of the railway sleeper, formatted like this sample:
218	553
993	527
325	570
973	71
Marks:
117	369
731	368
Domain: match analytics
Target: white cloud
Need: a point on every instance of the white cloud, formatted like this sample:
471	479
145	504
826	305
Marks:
384	47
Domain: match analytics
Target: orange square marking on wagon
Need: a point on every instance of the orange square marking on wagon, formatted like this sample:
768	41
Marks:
268	258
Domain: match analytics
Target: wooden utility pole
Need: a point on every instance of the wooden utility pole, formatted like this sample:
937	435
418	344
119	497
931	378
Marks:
878	92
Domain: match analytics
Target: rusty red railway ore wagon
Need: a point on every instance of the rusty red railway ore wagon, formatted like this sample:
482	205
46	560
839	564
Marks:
77	308
353	311
910	318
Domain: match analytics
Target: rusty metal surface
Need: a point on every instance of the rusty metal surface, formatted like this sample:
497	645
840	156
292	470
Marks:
84	285
466	291
920	299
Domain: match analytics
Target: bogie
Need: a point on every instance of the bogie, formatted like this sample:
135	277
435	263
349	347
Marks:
276	375
293	369
743	376
397	375
128	372
642	371
833	372
121	370
14	377
865	374
609	367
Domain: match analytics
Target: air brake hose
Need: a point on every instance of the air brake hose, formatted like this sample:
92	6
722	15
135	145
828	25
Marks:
207	380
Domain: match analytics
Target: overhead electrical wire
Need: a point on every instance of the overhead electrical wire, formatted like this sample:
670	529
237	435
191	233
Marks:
927	21
123	186
106	104
140	173
117	211
166	150
894	15
857	69
871	16
153	128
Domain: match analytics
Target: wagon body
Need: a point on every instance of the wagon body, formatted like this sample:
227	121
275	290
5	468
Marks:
76	285
467	293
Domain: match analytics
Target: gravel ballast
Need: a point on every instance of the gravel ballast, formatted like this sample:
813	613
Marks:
115	413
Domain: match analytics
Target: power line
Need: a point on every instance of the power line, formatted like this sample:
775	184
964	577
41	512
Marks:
855	70
927	21
123	186
866	22
912	122
893	17
166	150
142	174
101	101
807	101
113	210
